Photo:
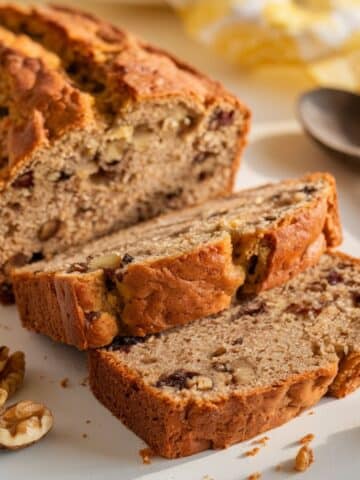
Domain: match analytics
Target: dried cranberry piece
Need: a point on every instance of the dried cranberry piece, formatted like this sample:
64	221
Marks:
297	309
334	277
124	343
221	118
356	299
309	190
304	309
203	176
26	180
36	257
177	379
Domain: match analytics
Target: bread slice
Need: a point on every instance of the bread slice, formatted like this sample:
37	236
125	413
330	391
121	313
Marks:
182	266
231	376
99	130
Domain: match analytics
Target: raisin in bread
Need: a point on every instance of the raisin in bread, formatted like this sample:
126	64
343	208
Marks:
181	266
231	376
99	130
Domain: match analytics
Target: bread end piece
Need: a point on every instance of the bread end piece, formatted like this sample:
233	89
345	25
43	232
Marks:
177	429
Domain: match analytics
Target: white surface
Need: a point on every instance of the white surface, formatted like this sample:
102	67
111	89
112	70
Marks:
278	149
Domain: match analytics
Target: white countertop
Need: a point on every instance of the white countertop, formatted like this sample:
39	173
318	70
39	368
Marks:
278	149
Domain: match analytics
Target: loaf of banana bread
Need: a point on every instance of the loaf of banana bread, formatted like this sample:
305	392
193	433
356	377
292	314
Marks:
99	130
181	266
230	376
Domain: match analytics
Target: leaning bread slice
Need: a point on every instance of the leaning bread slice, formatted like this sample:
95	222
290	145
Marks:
99	130
231	376
182	266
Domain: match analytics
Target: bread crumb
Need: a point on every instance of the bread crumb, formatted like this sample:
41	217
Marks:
64	382
84	382
255	476
88	421
207	477
252	452
146	455
311	412
261	441
304	458
84	435
307	439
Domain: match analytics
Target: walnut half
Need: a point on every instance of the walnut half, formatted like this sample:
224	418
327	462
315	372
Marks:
23	424
12	371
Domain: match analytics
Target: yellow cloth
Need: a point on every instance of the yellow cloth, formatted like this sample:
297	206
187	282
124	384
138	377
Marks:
322	36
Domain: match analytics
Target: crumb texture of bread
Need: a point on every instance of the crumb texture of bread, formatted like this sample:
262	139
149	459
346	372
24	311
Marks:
181	266
98	131
231	376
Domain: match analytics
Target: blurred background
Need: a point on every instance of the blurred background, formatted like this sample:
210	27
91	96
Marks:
320	38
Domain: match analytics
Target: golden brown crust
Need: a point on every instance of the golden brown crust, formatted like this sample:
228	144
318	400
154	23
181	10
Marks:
42	103
166	293
348	378
204	281
174	290
134	67
176	428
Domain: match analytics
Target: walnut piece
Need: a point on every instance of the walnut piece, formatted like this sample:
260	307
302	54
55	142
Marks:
109	260
304	458
12	371
49	229
4	356
243	371
200	382
23	424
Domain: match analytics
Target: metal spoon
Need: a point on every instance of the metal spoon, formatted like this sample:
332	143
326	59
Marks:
332	117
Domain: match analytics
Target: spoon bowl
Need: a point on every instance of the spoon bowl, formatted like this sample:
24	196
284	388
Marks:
332	118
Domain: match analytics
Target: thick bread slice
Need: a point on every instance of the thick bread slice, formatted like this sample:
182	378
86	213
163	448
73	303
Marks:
99	130
231	376
182	266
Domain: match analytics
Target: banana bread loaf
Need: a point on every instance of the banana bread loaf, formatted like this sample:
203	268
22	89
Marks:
180	266
99	130
231	376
